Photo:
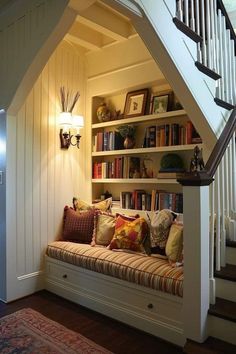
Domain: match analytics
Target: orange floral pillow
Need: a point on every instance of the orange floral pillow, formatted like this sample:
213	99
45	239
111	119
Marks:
129	234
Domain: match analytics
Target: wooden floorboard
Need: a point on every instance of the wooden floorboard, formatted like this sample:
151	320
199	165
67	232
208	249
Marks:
113	335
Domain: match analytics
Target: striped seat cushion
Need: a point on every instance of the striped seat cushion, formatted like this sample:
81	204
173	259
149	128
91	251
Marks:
149	271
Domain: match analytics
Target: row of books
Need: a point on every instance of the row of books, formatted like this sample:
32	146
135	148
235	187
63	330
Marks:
157	200
171	134
108	141
121	167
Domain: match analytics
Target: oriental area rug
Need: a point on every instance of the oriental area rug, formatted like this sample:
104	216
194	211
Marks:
28	332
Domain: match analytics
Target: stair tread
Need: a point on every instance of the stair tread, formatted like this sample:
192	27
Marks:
210	346
223	308
228	272
231	244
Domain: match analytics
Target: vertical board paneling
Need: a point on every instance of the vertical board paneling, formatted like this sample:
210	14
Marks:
20	191
46	177
29	121
44	157
51	145
36	175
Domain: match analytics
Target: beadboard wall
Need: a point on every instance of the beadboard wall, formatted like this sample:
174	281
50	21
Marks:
29	32
41	178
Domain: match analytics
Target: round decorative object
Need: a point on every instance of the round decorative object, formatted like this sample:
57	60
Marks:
129	142
103	113
171	161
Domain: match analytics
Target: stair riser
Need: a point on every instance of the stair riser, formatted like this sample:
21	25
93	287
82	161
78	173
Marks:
226	289
231	255
222	329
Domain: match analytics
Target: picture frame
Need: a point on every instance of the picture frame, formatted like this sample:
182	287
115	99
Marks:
154	102
135	103
160	103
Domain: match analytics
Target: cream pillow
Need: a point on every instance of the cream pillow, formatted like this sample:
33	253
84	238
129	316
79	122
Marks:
104	229
174	245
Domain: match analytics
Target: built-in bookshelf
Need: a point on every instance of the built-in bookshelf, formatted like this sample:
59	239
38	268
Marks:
112	164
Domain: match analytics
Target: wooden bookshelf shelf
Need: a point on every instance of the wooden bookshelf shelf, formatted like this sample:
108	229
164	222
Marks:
135	120
136	180
171	148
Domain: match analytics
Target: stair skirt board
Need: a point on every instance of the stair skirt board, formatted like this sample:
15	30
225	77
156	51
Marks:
226	289
151	311
222	329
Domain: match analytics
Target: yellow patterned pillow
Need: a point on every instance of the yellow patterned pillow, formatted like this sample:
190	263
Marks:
174	245
129	234
81	205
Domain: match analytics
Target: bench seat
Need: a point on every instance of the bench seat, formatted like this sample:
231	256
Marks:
149	271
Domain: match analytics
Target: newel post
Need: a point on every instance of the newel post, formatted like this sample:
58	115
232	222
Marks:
196	254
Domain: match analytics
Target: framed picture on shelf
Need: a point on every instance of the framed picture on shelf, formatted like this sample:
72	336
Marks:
160	103
135	103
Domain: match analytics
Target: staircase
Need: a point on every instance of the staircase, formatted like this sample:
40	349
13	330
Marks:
205	81
222	315
209	20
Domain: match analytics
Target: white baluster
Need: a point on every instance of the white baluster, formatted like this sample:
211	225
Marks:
234	176
203	27
234	78
225	59
212	245
226	184
179	12
229	67
197	19
208	35
213	38
221	66
233	82
222	216
216	37
197	29
192	18
217	220
186	12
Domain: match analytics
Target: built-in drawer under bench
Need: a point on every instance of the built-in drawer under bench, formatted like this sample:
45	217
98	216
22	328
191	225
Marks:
89	276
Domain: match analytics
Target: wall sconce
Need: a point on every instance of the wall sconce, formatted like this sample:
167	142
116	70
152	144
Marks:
68	121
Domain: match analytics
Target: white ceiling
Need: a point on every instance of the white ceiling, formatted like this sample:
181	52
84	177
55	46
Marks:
99	26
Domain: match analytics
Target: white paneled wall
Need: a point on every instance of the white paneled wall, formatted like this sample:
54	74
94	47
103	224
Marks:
26	30
42	177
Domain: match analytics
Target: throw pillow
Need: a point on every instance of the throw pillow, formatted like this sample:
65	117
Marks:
160	227
104	228
174	245
78	227
129	234
81	206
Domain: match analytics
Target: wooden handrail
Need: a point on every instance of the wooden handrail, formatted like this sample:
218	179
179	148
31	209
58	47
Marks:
205	177
221	6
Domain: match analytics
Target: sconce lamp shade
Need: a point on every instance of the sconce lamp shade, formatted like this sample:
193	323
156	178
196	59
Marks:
78	121
65	119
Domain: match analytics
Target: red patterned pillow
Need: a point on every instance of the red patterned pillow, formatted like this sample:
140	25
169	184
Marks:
129	234
78	227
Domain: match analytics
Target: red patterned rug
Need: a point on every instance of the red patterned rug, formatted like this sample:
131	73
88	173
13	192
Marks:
28	332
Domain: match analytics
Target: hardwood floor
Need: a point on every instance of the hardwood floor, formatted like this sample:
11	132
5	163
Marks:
111	334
